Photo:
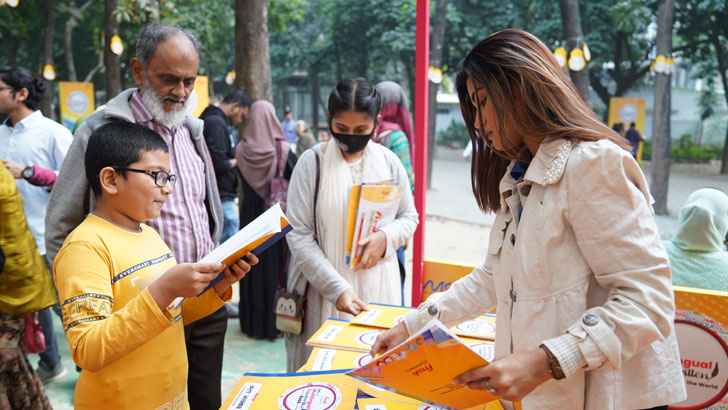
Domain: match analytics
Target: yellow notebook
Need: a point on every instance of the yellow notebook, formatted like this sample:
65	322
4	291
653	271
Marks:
322	359
371	206
424	366
339	334
387	316
317	390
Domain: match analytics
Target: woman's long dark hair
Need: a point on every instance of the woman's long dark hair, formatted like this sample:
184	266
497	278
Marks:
531	93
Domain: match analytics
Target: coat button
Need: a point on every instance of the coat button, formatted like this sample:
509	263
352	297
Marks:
590	320
513	239
526	190
432	310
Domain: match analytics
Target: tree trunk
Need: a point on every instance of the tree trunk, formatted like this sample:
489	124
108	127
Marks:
111	60
74	15
50	28
315	100
438	35
722	67
573	37
661	119
252	55
152	11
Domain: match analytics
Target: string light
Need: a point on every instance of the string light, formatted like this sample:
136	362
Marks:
49	72
116	45
576	60
560	54
230	77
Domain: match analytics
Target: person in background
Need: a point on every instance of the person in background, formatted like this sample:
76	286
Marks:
306	140
260	153
618	127
574	265
394	131
349	158
697	251
191	222
33	148
218	121
26	288
289	128
634	138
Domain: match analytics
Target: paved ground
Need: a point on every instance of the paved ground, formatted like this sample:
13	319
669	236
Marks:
455	230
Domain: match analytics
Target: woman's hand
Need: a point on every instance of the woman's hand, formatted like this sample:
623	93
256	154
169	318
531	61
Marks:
390	338
7	356
511	377
374	247
350	303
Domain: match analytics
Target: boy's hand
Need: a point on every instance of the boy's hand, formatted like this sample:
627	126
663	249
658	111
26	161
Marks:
235	272
184	280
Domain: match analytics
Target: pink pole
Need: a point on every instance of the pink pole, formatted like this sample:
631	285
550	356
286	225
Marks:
422	63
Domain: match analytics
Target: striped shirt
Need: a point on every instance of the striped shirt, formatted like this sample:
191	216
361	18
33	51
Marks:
183	222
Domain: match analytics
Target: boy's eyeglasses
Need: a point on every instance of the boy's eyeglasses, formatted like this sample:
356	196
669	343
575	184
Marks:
160	177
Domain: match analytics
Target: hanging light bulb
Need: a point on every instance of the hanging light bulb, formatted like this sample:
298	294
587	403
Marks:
660	64
116	46
230	77
576	60
12	3
49	72
587	52
560	54
434	75
669	65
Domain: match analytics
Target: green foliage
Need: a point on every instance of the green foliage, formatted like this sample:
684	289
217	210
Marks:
456	134
687	151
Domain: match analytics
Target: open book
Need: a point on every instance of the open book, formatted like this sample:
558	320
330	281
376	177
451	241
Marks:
423	367
267	229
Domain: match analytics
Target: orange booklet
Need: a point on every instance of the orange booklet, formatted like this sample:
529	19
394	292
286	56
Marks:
387	316
423	367
293	391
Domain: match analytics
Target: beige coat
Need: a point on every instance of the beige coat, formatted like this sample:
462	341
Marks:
586	243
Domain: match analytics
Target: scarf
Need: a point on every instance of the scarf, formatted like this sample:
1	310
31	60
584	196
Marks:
256	152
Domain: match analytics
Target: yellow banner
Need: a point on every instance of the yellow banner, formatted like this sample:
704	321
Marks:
627	111
202	89
77	101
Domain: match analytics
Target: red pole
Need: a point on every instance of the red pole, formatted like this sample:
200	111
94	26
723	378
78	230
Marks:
422	63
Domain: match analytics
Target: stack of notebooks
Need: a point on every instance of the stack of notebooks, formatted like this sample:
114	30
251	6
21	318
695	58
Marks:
341	374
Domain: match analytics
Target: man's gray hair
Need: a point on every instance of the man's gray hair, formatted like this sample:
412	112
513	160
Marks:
154	33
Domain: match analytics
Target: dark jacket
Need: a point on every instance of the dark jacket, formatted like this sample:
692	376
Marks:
217	136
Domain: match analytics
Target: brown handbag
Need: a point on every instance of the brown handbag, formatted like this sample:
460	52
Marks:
290	307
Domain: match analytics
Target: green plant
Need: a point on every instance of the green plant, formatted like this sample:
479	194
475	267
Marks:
687	151
455	134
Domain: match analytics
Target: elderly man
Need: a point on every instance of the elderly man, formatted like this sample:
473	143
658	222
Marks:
191	221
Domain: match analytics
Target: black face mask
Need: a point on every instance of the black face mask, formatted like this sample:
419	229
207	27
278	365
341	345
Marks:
352	143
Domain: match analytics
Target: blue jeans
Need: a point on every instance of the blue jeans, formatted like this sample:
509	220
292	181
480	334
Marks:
231	224
49	356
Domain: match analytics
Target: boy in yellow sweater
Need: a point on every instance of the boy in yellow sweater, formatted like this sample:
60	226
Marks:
117	279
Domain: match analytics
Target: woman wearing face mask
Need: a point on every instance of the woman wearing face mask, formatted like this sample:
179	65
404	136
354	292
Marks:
574	265
349	158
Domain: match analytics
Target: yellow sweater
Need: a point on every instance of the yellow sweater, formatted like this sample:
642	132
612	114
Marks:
132	353
25	284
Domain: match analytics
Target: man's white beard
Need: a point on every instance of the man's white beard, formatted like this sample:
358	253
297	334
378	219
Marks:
170	119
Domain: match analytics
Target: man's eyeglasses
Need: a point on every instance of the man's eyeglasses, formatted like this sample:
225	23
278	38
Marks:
3	88
160	177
